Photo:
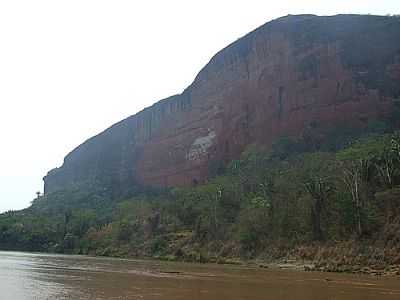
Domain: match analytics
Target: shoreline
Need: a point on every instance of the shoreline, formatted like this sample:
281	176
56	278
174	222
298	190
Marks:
392	270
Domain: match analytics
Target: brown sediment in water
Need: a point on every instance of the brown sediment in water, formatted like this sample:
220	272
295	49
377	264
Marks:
27	276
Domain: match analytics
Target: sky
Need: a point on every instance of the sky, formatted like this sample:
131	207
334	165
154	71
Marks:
70	69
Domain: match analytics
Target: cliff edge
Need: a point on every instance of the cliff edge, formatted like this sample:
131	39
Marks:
275	81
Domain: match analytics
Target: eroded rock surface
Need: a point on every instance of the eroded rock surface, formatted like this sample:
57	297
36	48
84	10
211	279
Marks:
275	81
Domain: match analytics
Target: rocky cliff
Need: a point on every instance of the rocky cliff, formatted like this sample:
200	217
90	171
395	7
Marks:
275	81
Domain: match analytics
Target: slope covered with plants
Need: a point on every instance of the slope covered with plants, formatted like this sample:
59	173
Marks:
331	197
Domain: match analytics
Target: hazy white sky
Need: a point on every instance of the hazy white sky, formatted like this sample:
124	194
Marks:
69	69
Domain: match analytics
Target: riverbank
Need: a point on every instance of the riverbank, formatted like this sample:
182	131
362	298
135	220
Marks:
357	257
352	257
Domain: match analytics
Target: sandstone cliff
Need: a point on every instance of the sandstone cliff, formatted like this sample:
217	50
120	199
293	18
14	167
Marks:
277	80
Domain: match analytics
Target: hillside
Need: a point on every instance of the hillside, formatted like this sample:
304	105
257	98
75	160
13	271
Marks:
286	147
290	74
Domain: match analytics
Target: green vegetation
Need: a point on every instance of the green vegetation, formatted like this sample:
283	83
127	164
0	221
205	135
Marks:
315	190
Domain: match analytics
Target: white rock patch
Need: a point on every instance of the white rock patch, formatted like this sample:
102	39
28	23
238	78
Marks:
200	146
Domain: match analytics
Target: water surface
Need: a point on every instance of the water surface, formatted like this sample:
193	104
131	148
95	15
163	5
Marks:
26	276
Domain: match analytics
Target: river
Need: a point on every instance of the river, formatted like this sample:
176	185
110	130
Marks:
27	276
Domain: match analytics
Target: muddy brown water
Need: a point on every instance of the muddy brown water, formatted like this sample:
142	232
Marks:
26	276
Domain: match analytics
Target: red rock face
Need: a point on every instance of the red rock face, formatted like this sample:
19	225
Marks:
276	81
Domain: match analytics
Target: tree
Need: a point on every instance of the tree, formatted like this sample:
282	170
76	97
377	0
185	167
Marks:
320	189
387	161
316	173
357	164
